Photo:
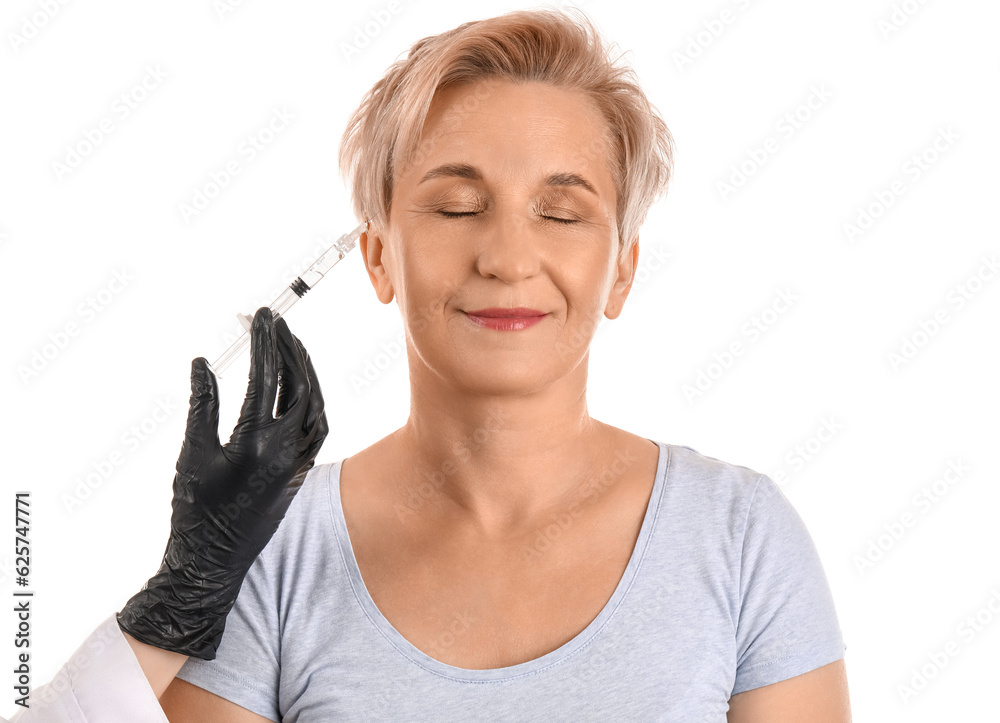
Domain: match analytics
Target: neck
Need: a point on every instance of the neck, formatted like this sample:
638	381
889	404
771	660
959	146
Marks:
498	461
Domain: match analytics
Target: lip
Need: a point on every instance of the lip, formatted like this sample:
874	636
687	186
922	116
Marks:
500	319
518	312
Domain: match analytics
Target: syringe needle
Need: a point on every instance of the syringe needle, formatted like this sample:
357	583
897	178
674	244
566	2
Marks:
295	291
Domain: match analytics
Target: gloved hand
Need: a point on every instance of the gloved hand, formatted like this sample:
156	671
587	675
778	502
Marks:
228	500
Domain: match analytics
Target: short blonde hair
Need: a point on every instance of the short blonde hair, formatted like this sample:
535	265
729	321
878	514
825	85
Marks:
383	134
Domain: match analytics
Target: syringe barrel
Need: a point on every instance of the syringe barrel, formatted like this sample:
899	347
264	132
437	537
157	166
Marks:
321	266
284	302
309	278
235	349
278	309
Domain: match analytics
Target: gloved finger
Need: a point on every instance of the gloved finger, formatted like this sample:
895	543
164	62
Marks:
315	421
314	407
300	476
295	379
202	432
315	438
285	396
263	384
308	445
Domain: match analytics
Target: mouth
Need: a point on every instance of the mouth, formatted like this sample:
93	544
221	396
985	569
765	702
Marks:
502	319
517	312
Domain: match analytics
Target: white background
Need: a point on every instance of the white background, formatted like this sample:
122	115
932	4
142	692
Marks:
892	88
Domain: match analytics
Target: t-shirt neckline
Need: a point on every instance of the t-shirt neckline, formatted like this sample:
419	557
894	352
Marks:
420	658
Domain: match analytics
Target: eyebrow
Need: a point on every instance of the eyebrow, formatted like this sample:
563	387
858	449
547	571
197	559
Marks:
464	170
570	179
458	170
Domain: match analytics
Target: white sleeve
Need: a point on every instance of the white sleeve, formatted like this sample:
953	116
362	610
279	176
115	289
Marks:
101	683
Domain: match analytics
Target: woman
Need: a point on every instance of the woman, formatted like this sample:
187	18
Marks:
507	166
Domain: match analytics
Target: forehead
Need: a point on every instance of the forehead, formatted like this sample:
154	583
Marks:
518	129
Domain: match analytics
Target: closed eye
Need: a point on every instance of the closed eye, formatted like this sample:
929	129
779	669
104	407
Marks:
560	220
457	214
465	214
545	209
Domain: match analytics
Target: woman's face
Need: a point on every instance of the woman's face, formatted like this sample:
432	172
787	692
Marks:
507	202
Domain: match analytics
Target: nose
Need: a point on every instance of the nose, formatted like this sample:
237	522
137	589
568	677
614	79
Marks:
509	248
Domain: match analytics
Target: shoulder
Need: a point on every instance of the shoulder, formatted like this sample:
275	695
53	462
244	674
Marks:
746	502
701	467
308	513
314	490
715	505
710	484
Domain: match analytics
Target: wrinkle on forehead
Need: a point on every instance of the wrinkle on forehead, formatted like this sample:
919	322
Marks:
451	131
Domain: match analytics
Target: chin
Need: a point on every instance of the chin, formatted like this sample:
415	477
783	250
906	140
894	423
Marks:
499	377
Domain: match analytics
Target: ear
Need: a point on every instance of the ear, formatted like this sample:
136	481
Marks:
623	283
372	247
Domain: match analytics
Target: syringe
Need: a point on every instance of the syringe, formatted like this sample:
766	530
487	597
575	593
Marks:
295	291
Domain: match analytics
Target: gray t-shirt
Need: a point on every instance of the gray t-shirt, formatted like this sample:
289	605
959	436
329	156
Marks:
724	592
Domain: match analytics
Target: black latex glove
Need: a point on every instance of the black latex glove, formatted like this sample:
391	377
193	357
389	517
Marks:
229	500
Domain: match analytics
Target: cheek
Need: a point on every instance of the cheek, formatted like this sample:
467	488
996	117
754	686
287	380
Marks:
585	280
428	283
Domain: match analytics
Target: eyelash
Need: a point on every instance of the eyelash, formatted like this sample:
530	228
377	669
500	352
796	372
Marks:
466	214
